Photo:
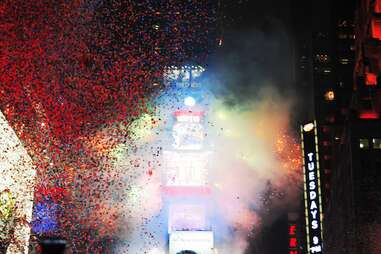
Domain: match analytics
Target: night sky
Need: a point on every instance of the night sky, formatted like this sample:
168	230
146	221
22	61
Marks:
258	51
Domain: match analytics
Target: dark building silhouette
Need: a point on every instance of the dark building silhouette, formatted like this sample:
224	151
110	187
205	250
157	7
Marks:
352	216
340	56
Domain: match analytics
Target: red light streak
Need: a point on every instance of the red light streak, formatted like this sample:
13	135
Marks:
369	115
377	6
293	241
292	230
376	28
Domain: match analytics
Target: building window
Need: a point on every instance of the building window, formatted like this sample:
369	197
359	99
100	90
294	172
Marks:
371	79
368	114
376	28
344	60
364	143
376	143
323	58
330	119
377	6
329	95
342	35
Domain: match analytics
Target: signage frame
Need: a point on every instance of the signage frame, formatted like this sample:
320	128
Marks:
312	189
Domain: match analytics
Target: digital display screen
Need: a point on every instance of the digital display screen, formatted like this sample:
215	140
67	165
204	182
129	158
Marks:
186	168
186	217
201	242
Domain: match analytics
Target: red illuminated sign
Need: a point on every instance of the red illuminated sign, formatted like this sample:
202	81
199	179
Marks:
371	79
377	6
376	28
293	240
368	115
312	192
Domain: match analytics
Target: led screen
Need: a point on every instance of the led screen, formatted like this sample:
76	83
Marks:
186	217
201	242
185	168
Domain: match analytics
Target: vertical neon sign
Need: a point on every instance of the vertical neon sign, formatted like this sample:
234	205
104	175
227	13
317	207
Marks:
293	240
312	192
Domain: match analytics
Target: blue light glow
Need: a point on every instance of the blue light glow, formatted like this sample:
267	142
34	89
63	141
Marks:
44	218
189	101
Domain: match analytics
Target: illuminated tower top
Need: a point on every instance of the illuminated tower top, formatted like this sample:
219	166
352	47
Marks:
184	76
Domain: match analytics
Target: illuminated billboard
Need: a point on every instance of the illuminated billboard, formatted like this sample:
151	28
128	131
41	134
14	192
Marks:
187	217
293	244
184	76
185	168
188	136
312	192
200	242
188	131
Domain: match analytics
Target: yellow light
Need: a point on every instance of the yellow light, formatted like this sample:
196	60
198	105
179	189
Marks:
7	204
329	95
308	127
222	115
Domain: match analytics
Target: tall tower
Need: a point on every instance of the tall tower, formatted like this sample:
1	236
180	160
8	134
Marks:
186	188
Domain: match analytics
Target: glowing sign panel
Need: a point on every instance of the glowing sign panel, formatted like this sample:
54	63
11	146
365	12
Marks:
188	118
293	240
185	169
184	76
201	242
312	194
188	132
188	136
186	217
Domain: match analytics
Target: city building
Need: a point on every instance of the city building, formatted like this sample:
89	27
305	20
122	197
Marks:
352	216
344	57
186	189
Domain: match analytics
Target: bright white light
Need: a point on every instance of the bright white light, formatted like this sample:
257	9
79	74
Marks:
187	217
189	101
186	169
188	118
188	136
197	241
308	127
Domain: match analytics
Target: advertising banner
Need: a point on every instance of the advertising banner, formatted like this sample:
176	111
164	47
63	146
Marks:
200	242
312	192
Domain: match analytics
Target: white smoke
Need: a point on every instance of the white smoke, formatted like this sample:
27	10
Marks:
252	146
